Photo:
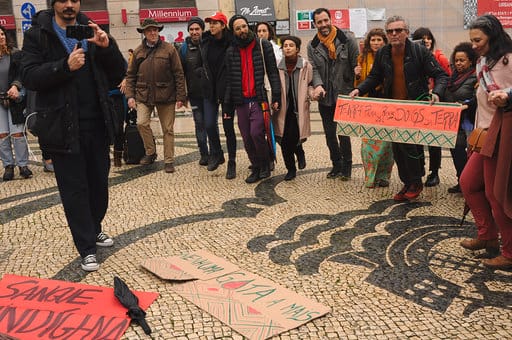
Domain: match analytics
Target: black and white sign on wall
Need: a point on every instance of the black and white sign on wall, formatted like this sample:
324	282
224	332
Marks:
262	10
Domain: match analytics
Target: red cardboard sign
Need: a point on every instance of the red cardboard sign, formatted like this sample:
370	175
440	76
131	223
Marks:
33	308
402	113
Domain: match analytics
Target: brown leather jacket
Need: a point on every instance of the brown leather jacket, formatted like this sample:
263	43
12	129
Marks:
155	75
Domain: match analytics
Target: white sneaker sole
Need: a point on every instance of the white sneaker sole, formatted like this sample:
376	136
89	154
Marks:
105	244
90	268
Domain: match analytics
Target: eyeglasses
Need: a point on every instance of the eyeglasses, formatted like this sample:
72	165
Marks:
395	30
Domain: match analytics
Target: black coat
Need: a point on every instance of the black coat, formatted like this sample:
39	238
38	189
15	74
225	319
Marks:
14	78
190	55
234	96
45	70
214	87
419	65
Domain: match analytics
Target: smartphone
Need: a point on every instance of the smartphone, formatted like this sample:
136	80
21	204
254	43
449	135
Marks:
79	32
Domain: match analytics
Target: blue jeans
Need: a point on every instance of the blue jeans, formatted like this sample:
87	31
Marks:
9	142
198	115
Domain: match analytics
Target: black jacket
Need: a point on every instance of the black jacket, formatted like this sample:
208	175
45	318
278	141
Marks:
14	78
419	65
234	96
45	70
190	56
214	87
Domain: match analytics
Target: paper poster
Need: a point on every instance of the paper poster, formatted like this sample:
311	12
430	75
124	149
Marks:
33	308
256	307
404	121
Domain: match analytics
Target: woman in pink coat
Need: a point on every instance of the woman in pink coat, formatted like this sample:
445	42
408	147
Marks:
292	123
486	181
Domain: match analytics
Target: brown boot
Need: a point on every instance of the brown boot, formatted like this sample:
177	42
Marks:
476	244
499	262
117	158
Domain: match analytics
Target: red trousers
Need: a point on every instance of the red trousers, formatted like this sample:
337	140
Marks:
477	183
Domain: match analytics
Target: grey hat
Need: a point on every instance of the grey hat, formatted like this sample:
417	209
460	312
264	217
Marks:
195	20
149	23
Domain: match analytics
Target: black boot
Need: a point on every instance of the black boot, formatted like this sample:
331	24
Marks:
292	173
254	176
231	172
432	179
265	170
346	170
215	161
9	173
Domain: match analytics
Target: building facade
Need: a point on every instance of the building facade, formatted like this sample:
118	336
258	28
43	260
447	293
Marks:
446	18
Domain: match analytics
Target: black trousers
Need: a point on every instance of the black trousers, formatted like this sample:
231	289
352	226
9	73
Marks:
340	148
120	110
290	141
83	186
434	153
410	161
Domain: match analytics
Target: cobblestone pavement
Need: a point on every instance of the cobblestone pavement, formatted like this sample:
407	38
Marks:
386	270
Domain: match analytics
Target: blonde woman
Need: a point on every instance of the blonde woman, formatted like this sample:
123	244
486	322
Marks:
376	155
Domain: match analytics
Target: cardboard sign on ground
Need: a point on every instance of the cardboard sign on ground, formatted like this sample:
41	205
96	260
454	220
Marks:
33	308
254	306
403	121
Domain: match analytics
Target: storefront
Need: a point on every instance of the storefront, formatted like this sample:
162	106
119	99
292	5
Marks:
173	19
7	19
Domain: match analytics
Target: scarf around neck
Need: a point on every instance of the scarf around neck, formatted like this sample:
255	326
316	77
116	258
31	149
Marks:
328	42
458	79
484	75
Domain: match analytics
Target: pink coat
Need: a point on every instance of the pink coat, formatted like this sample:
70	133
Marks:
304	95
497	143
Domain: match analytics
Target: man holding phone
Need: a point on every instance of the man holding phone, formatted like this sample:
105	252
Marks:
74	121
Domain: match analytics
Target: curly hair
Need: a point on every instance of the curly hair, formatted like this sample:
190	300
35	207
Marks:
372	33
499	42
465	47
270	29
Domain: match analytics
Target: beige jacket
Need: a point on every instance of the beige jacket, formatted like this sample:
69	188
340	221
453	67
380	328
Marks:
302	75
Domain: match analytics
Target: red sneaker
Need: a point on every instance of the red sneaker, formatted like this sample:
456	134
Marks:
414	191
400	196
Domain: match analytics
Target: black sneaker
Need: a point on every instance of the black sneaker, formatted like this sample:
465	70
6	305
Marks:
103	240
89	263
25	172
9	173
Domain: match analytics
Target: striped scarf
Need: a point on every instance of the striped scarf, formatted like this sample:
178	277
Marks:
484	76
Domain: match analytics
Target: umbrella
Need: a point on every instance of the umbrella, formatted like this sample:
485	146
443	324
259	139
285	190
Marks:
269	130
130	301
